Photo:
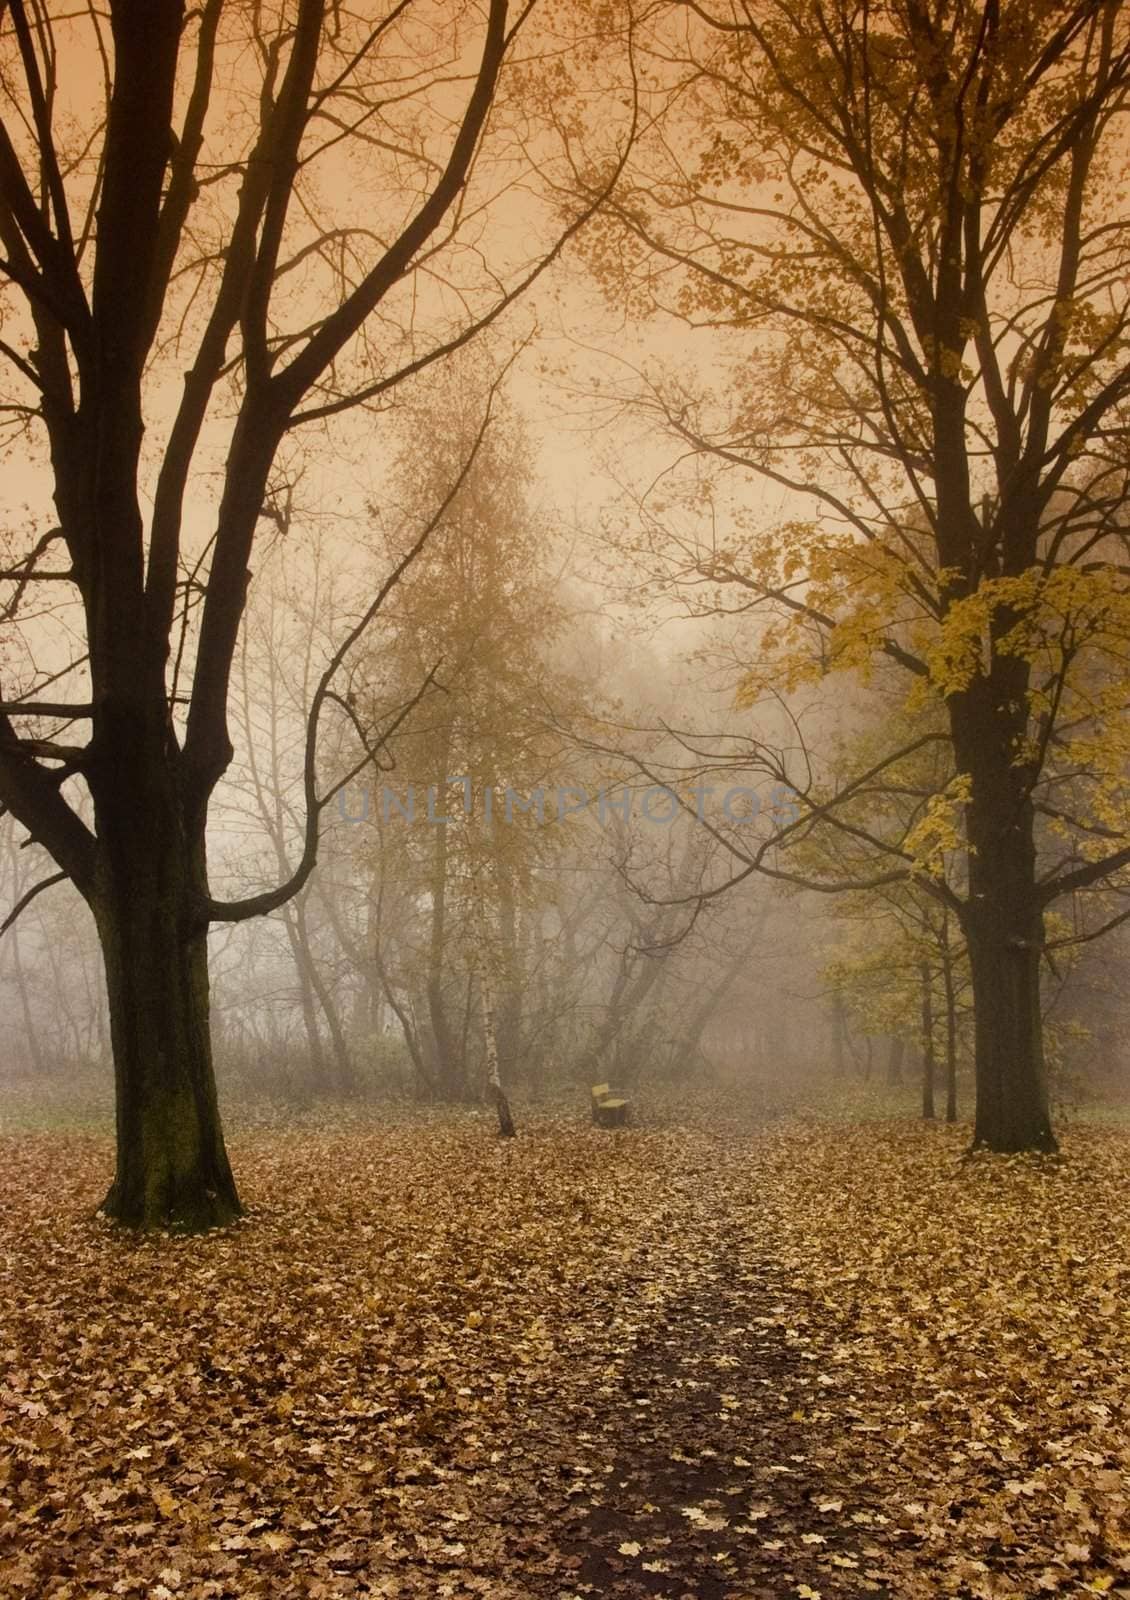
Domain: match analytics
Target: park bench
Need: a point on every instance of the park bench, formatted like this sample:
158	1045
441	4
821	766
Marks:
608	1111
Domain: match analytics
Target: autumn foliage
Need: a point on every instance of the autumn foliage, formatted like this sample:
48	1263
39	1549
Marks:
700	1359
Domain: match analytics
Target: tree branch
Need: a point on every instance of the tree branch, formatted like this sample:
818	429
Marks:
261	904
24	901
1083	877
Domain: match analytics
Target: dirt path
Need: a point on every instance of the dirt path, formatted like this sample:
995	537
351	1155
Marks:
715	1491
702	1459
713	1479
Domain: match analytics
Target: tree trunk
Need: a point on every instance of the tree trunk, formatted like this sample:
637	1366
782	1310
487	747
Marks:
927	1043
951	1033
424	1082
172	1167
512	988
308	1003
449	1058
148	894
1003	926
490	1045
690	1041
1012	1101
345	1078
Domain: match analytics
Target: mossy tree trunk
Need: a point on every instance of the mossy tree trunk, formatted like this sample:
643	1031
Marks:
172	1168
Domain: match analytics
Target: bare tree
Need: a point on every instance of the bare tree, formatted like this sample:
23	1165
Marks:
171	220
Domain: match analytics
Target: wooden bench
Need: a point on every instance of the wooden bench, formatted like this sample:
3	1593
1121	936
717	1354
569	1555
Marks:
608	1111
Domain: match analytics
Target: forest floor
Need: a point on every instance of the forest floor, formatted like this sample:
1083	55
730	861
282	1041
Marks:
707	1360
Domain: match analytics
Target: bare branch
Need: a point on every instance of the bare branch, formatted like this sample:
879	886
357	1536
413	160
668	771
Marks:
261	904
25	900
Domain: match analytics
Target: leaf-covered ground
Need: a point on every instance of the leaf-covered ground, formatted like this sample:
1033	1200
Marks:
701	1363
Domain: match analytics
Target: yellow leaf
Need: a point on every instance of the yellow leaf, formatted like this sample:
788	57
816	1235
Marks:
164	1501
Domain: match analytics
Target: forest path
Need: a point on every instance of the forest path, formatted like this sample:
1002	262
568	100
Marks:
703	1458
717	1490
701	1359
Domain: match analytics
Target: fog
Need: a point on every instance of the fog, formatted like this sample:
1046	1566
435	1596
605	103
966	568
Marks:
530	676
564	799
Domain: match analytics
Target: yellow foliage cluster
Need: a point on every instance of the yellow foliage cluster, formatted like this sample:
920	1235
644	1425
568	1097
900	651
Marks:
839	605
939	830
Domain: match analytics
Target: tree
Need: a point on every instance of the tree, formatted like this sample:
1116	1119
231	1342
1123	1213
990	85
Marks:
458	835
57	1025
187	213
282	643
912	216
894	970
898	942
